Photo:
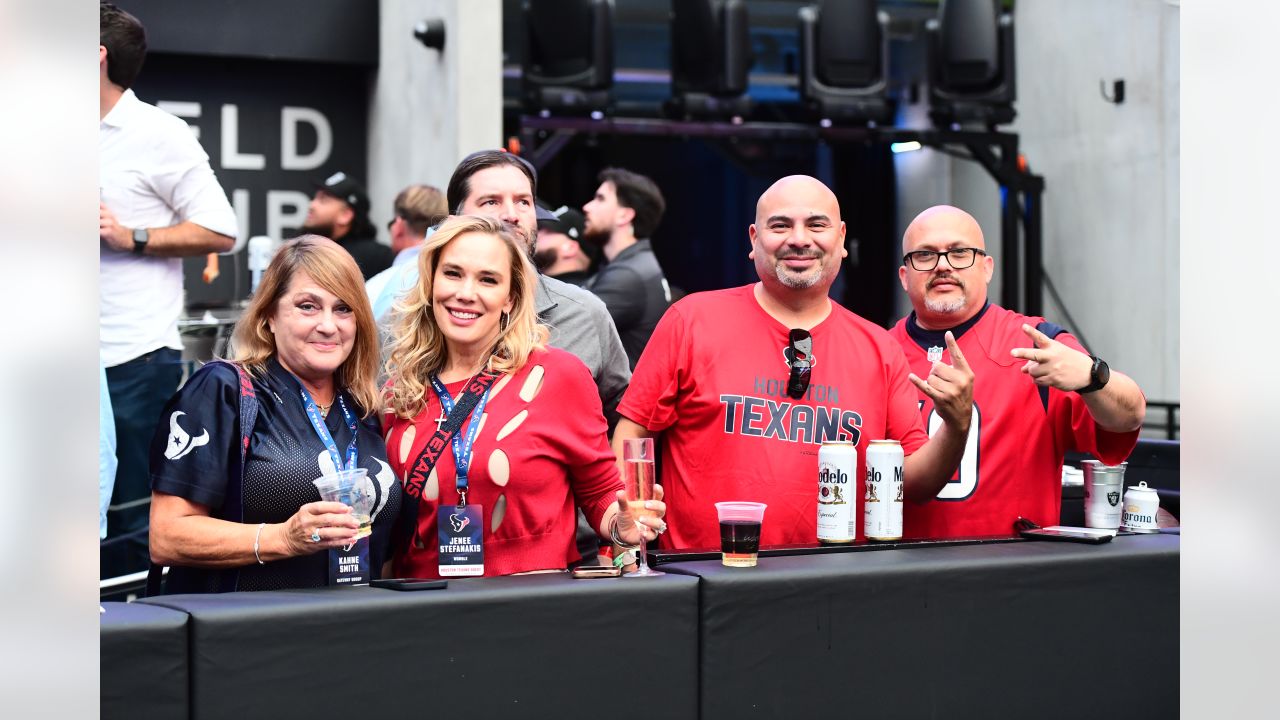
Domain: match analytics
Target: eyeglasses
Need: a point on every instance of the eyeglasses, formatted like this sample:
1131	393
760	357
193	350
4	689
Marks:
801	346
957	258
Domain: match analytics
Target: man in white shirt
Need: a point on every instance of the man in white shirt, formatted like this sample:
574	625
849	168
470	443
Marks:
159	203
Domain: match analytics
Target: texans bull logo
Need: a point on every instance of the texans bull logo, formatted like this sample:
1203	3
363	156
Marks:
788	355
180	441
459	523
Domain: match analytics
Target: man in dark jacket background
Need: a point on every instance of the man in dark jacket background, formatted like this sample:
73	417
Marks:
621	218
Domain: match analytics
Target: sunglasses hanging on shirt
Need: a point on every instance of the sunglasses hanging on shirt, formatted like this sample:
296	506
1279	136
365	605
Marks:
801	361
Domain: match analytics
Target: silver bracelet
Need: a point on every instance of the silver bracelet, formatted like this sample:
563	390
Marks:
613	535
256	537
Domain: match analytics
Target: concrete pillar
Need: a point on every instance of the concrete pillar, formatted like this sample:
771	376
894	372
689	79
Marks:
430	108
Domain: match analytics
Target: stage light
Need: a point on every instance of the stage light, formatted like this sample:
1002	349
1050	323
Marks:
844	61
971	64
901	147
710	56
568	58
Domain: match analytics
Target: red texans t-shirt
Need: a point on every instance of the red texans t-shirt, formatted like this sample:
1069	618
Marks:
1012	465
713	379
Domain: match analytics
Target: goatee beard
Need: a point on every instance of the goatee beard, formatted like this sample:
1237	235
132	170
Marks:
945	307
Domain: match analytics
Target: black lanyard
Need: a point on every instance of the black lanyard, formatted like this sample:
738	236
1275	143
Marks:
426	460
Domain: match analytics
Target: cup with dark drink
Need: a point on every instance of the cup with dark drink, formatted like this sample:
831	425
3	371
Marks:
740	532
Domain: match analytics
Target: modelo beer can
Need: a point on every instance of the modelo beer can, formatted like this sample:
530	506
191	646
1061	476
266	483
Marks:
837	491
882	506
1140	506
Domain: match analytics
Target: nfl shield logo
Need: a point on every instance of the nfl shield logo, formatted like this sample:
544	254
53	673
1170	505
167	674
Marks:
935	354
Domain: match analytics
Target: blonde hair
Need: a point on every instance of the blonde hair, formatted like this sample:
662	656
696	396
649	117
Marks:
333	268
418	347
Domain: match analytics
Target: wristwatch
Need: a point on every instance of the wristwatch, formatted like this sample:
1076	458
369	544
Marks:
1098	376
140	238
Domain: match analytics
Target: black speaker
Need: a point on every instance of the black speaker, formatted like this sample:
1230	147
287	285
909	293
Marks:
844	60
971	64
568	59
710	57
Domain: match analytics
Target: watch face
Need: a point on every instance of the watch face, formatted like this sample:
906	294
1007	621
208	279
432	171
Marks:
140	235
1101	372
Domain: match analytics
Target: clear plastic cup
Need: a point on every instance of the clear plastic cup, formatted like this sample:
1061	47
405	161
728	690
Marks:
740	532
354	489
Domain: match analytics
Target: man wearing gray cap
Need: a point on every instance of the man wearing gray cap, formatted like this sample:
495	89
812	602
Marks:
560	252
340	212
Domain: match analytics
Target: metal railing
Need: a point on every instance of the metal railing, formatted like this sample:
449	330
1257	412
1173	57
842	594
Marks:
1164	416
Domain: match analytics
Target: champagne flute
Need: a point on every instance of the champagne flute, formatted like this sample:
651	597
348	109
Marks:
638	476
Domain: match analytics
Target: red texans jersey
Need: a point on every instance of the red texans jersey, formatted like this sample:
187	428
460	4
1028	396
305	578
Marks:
713	379
1012	465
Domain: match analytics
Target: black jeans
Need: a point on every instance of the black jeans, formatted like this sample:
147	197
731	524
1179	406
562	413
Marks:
139	389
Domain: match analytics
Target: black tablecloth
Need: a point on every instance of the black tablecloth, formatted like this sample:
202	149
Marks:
143	661
1022	630
533	646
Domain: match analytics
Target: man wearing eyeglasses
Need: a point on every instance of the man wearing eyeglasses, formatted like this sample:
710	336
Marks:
746	384
1037	391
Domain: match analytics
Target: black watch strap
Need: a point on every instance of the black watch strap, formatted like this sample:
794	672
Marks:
1099	375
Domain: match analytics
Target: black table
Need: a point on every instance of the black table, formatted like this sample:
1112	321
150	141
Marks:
1030	629
143	661
533	646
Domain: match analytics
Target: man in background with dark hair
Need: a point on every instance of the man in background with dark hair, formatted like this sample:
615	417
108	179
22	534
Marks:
502	185
560	251
622	216
159	202
340	211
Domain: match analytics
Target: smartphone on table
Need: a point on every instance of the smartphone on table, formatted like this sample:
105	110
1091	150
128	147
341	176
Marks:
409	584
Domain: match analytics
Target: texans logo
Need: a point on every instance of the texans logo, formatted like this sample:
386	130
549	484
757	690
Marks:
787	355
459	523
180	441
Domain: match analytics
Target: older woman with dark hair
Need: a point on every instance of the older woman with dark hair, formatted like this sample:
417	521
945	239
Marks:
233	459
528	435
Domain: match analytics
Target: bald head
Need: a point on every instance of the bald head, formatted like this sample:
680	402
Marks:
793	188
940	222
945	296
797	240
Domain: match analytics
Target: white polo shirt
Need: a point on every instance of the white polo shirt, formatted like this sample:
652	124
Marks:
152	173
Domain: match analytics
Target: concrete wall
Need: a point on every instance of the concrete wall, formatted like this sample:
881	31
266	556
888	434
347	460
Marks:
1111	204
429	109
1111	208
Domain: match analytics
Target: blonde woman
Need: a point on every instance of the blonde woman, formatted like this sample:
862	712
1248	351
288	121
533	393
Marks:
305	354
532	446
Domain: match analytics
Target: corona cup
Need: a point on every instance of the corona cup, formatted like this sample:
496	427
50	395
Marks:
882	506
837	491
